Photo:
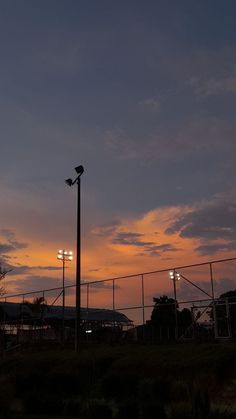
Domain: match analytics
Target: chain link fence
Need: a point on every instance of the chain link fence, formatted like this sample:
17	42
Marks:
193	302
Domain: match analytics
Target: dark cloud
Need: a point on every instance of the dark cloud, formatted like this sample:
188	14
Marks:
38	283
7	257
213	221
11	246
214	224
149	248
18	269
97	286
166	247
210	249
130	239
157	250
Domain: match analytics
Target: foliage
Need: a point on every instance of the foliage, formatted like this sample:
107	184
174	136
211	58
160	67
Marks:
164	315
3	273
38	305
163	312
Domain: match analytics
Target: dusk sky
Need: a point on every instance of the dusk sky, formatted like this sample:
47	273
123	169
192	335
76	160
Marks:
143	95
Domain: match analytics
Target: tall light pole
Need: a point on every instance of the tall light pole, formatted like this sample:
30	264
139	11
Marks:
174	276
79	170
64	256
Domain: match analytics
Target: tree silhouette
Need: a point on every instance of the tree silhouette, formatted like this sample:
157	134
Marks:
3	273
164	314
37	305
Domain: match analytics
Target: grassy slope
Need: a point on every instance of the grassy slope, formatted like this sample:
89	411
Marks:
133	378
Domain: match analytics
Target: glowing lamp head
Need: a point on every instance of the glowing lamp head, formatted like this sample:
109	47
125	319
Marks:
171	274
70	257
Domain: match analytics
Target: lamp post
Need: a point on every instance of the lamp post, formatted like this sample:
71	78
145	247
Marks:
79	170
64	256
174	276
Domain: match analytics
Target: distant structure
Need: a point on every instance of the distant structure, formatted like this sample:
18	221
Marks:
24	322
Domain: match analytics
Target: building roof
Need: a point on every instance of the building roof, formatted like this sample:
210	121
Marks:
14	311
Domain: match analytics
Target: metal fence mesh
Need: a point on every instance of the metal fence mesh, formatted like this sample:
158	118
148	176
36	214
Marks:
196	288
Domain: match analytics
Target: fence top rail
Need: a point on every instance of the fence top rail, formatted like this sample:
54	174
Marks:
23	294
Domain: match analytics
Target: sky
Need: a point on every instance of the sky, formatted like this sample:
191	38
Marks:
143	95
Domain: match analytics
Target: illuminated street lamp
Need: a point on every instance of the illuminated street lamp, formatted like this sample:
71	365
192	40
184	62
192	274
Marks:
79	170
64	256
175	276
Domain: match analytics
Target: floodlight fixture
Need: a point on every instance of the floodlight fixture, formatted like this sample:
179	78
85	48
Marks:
79	170
65	255
174	276
69	182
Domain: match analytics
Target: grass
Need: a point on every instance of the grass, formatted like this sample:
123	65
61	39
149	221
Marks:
192	381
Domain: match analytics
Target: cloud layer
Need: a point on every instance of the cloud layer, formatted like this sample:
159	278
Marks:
212	223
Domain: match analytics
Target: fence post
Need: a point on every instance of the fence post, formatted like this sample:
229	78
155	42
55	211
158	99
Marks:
228	318
113	294
176	308
143	303
87	302
213	302
143	306
193	322
4	317
113	308
87	305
